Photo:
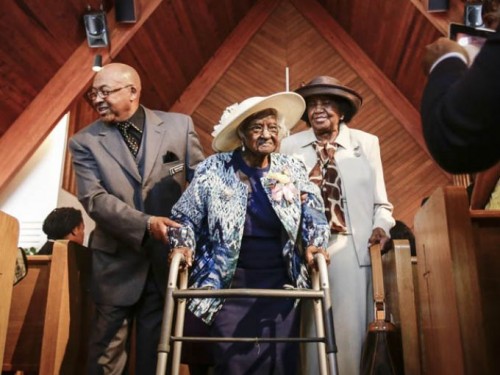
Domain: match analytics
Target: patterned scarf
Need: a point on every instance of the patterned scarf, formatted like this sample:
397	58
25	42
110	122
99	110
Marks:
326	176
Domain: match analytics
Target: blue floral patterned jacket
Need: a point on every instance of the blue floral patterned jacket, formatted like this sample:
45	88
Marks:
212	211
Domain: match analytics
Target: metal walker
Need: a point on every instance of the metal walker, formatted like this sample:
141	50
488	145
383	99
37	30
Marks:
323	316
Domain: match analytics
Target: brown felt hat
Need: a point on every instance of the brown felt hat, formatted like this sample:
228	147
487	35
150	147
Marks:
349	99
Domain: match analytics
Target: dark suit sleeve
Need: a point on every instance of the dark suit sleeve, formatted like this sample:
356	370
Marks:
461	111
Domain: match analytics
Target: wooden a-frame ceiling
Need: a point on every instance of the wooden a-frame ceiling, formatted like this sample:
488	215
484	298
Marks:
199	56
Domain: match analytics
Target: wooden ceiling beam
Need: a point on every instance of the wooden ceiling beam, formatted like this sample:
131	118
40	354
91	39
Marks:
222	59
24	136
348	49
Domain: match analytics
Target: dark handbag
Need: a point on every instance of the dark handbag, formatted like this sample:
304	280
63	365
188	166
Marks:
382	349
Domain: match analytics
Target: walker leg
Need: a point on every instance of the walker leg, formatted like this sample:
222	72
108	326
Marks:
331	346
320	328
168	314
179	324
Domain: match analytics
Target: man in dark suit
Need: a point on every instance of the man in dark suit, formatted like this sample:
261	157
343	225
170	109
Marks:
460	106
63	223
131	167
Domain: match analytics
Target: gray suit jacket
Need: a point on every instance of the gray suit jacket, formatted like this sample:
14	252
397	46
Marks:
121	193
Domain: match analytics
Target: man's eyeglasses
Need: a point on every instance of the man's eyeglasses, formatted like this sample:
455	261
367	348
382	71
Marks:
92	93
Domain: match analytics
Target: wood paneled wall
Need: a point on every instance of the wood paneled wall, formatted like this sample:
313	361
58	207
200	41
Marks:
288	39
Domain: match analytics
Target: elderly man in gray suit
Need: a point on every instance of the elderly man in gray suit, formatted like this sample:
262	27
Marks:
131	167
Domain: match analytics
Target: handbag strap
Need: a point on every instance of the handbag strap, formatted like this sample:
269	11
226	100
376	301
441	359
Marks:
378	281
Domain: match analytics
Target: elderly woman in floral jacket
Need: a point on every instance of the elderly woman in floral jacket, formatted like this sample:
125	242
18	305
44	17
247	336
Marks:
251	219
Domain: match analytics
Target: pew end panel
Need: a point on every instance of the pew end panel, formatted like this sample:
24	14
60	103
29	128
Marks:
9	234
450	290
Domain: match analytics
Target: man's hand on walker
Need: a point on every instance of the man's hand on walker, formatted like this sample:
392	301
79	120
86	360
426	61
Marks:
158	226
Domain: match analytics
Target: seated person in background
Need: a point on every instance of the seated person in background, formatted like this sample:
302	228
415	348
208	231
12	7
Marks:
486	190
64	223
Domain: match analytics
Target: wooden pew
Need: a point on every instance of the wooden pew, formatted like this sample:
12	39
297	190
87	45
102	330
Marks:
459	284
49	319
486	232
27	314
401	302
9	235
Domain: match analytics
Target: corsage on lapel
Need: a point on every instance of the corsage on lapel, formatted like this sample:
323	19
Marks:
281	186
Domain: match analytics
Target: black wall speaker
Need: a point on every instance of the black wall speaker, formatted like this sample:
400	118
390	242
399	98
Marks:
473	14
436	5
125	11
96	28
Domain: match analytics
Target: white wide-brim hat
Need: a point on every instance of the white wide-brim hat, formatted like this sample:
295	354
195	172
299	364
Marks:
289	107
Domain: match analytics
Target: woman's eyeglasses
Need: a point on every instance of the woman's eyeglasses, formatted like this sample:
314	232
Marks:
258	129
